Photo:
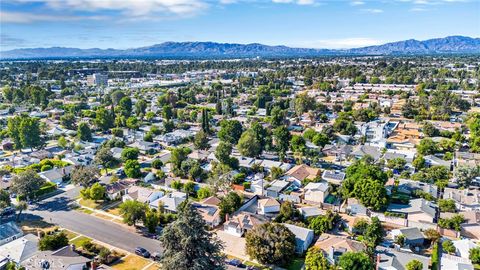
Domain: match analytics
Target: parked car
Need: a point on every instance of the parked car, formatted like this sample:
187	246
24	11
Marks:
7	212
156	256
142	252
235	262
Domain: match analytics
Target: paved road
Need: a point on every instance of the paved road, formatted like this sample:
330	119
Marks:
57	211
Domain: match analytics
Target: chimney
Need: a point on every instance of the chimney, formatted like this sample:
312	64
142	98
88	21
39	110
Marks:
331	252
377	265
93	265
227	217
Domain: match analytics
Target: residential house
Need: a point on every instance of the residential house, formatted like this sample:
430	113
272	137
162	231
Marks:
276	187
20	249
208	209
56	175
392	259
315	193
333	177
302	172
116	190
268	206
417	210
8	232
303	237
64	258
334	246
242	222
355	208
465	199
170	201
362	150
413	236
142	194
452	262
308	212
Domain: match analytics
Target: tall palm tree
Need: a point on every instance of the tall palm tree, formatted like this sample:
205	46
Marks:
21	206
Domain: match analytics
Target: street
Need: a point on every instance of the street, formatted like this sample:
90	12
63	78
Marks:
56	210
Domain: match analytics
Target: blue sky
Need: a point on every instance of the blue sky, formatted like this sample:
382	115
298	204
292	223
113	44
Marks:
299	23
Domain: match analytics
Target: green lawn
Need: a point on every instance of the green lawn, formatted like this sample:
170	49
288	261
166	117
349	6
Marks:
296	264
79	241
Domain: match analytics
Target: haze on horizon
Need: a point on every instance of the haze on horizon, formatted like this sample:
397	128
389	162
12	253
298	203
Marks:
296	23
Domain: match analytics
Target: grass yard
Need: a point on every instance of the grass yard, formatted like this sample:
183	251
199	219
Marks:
70	234
114	211
154	266
79	241
131	262
32	226
91	204
84	210
102	216
296	264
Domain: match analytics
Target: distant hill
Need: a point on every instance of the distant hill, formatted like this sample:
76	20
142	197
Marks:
452	44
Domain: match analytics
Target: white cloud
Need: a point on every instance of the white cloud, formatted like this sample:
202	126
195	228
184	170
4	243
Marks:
373	10
24	17
345	43
357	3
134	8
299	2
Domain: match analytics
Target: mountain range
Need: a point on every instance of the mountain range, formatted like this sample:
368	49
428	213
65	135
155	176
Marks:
447	45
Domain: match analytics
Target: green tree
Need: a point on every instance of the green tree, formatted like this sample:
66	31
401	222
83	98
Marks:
419	162
104	158
24	131
271	243
104	119
223	151
152	219
315	260
448	247
132	169
188	245
204	192
125	106
374	233
277	116
167	112
229	204
230	131
83	175
447	205
414	265
97	192
62	142
355	261
83	132
27	183
53	241
282	138
132	211
140	108
68	121
201	140
130	153
466	174
474	255
427	147
248	145
324	223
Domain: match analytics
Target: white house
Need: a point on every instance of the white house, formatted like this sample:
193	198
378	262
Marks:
141	194
303	237
316	192
268	206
